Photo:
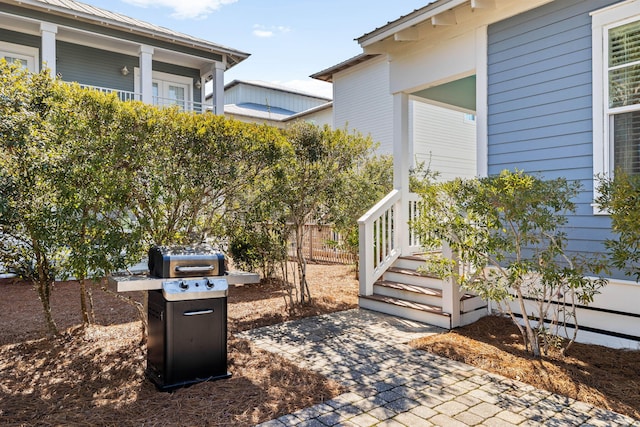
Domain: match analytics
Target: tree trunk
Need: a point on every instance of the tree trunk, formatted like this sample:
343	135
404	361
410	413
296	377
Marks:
42	282
83	303
530	333
305	294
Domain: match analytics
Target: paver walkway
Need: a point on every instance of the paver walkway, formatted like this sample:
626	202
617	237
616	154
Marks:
391	384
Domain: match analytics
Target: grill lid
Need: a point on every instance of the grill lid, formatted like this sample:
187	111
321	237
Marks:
185	261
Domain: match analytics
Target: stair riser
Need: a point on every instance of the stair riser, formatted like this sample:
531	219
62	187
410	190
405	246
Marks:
429	282
408	263
471	317
406	313
408	295
472	304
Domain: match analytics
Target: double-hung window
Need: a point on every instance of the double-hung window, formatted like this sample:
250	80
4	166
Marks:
616	89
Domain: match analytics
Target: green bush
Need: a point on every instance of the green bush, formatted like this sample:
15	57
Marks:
620	197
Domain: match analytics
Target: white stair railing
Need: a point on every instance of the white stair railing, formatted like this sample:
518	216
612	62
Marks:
379	243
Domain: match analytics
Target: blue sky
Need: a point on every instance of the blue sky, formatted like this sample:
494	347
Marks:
288	39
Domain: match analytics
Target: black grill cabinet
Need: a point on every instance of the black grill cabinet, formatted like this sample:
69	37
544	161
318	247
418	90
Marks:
187	341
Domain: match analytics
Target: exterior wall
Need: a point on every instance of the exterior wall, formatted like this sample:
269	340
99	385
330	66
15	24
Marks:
444	140
96	67
247	93
441	137
20	38
540	121
320	118
539	114
361	101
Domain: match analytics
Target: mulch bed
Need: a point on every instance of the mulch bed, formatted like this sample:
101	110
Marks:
604	377
95	376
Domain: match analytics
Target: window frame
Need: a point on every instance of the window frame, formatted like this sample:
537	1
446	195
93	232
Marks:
601	22
31	54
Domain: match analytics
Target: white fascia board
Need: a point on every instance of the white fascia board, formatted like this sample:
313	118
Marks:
390	29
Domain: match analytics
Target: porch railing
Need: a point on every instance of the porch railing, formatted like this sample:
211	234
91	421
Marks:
125	95
197	107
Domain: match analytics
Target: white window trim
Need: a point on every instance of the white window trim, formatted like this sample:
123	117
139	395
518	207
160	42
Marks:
27	52
165	77
601	21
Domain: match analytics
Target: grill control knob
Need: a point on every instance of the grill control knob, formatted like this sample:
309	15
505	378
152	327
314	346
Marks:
210	283
183	285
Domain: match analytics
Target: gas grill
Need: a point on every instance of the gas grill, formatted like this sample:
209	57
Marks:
187	314
187	340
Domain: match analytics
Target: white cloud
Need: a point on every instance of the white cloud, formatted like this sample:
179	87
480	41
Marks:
185	9
263	31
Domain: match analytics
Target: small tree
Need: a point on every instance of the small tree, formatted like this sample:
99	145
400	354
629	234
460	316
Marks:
620	196
363	186
94	187
507	233
318	161
28	216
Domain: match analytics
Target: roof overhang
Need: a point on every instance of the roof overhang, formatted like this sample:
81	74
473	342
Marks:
406	22
111	22
327	74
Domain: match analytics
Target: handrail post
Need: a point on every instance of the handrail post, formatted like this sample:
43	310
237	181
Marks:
451	289
366	258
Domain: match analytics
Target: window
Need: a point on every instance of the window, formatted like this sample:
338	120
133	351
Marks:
27	56
623	106
616	89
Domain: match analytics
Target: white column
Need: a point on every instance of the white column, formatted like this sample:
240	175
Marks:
482	104
218	88
48	33
401	165
203	101
146	74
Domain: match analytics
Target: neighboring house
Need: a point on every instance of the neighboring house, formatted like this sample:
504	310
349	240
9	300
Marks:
443	139
114	53
554	88
276	105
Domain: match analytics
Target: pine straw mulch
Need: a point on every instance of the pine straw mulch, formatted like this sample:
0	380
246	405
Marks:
96	376
604	377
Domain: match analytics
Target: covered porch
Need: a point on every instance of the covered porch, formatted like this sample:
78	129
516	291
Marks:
433	59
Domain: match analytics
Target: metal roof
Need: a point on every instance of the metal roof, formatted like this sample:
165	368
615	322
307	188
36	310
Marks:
274	86
327	74
102	17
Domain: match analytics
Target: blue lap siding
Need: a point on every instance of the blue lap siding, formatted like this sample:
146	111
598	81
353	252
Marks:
540	104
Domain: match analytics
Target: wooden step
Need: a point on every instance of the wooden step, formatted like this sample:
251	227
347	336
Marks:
412	277
423	290
409	292
425	313
410	272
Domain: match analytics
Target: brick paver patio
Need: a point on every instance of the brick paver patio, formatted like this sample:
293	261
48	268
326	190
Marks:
392	384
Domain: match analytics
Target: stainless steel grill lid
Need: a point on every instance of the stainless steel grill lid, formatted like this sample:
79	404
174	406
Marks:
185	261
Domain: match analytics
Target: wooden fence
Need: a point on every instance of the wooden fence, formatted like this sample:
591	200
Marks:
321	243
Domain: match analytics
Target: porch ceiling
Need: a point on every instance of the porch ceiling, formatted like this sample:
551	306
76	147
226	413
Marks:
458	94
